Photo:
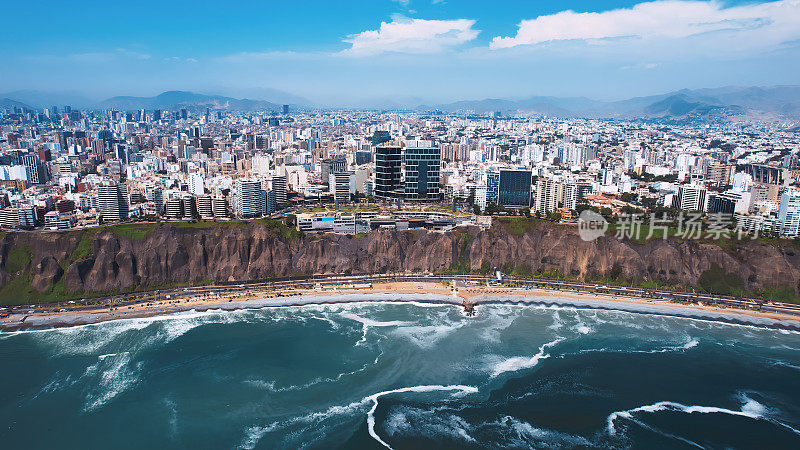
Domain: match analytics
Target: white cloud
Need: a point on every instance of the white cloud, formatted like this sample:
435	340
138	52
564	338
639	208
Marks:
405	35
180	59
640	66
119	54
270	56
752	25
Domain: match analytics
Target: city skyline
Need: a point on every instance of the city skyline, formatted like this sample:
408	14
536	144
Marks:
413	51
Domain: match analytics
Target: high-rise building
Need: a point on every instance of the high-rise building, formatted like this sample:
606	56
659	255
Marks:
23	217
262	142
339	185
112	202
270	205
189	207
196	183
514	188
729	202
422	173
570	196
220	207
381	136
205	207
173	209
332	165
546	197
719	174
493	188
690	198
789	213
363	157
480	197
155	194
248	199
36	171
388	171
767	174
279	189
285	110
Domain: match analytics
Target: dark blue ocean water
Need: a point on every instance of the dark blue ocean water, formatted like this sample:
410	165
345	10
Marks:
407	376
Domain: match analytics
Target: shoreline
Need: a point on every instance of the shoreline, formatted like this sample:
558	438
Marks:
399	292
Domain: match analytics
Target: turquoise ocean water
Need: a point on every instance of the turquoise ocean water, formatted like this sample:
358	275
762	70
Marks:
405	376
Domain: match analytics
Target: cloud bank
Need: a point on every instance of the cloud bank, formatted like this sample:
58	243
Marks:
752	25
405	35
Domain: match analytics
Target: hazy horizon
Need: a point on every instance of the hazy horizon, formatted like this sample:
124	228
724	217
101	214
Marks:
299	99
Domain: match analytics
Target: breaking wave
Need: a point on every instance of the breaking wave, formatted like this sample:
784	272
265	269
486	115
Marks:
750	408
522	362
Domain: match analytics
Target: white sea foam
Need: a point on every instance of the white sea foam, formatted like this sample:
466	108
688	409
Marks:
750	408
494	321
172	410
430	422
372	323
523	362
102	357
367	324
785	364
524	434
57	383
688	344
91	338
511	432
255	433
271	385
116	375
427	336
460	390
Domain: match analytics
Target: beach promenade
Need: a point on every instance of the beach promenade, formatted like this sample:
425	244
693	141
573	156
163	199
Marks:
456	290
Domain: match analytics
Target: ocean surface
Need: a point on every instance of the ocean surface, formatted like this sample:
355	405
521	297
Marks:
405	376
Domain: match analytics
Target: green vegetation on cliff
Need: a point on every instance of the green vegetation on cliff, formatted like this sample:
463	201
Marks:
152	254
518	226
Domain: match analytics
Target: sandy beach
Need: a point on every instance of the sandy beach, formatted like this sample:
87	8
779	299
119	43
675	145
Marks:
423	292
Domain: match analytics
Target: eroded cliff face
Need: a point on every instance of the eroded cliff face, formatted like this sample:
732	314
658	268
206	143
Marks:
35	265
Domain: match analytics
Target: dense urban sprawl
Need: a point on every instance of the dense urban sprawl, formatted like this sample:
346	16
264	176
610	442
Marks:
351	171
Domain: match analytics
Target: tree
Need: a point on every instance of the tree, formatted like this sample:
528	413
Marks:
493	208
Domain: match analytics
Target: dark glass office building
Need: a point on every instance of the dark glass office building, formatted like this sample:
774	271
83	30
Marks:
388	171
515	187
492	187
422	174
332	165
363	157
381	136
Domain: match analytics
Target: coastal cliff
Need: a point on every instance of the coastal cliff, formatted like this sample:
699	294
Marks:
49	266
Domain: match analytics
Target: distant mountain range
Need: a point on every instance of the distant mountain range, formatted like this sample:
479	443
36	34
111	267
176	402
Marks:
184	99
7	103
777	102
46	99
31	99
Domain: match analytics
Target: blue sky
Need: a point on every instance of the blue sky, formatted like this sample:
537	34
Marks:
349	52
